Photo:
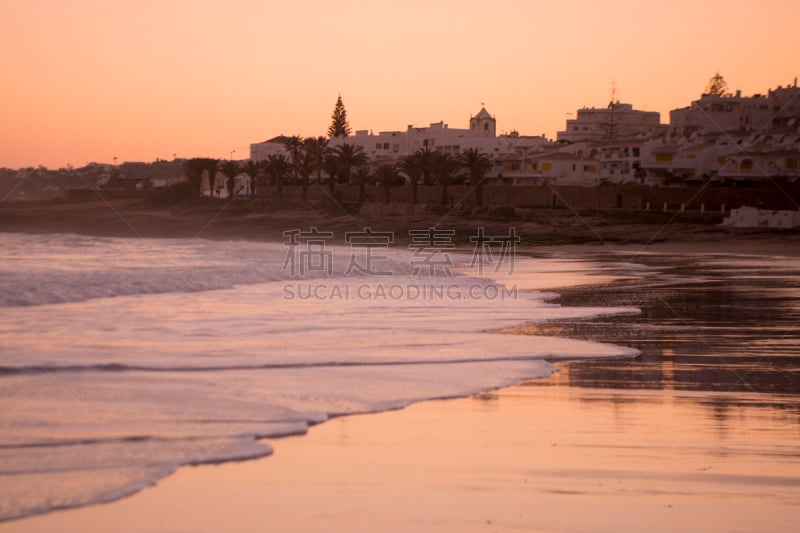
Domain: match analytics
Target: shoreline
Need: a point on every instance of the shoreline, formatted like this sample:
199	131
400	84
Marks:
479	388
551	231
214	472
401	480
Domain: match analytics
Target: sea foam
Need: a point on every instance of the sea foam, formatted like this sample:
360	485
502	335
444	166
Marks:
124	359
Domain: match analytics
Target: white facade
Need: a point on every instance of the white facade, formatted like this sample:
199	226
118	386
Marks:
261	151
752	217
726	138
440	137
520	167
610	123
725	113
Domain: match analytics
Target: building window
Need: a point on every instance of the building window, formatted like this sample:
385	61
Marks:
664	158
385	146
636	152
378	146
546	167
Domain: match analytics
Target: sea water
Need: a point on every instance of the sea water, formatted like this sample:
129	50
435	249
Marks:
123	359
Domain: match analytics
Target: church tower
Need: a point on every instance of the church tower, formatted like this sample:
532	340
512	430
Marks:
483	124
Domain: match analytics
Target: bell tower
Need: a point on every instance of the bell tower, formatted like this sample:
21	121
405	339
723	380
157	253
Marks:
483	124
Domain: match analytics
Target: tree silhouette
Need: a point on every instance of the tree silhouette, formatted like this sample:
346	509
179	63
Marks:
445	169
303	167
296	149
348	156
331	165
477	165
193	170
339	126
426	159
209	165
387	176
315	147
252	169
717	85
413	169
230	169
361	175
294	146
277	166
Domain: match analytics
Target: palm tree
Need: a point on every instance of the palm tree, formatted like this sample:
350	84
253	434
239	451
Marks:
361	176
315	147
426	158
477	165
349	156
445	168
331	164
387	176
304	166
413	169
277	166
230	169
193	170
210	165
252	169
295	148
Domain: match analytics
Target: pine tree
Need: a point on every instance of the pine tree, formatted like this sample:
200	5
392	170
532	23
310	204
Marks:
339	125
717	85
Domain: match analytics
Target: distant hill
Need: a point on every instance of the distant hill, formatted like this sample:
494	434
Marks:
41	183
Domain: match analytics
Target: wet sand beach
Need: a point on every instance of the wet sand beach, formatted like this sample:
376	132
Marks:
699	433
542	227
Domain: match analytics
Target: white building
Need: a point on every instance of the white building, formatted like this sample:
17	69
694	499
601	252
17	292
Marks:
726	138
752	217
439	136
610	123
732	112
261	151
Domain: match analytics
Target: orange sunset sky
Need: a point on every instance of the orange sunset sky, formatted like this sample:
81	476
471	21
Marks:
90	80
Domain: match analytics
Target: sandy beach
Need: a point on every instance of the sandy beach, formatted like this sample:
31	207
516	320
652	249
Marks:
542	457
239	220
698	433
400	267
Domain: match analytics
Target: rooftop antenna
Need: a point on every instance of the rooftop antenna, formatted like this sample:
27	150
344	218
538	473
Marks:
610	133
613	91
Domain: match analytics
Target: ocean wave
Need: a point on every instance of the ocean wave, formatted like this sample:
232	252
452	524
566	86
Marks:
147	364
54	269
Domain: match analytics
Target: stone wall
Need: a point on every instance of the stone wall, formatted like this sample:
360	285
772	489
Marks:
629	197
